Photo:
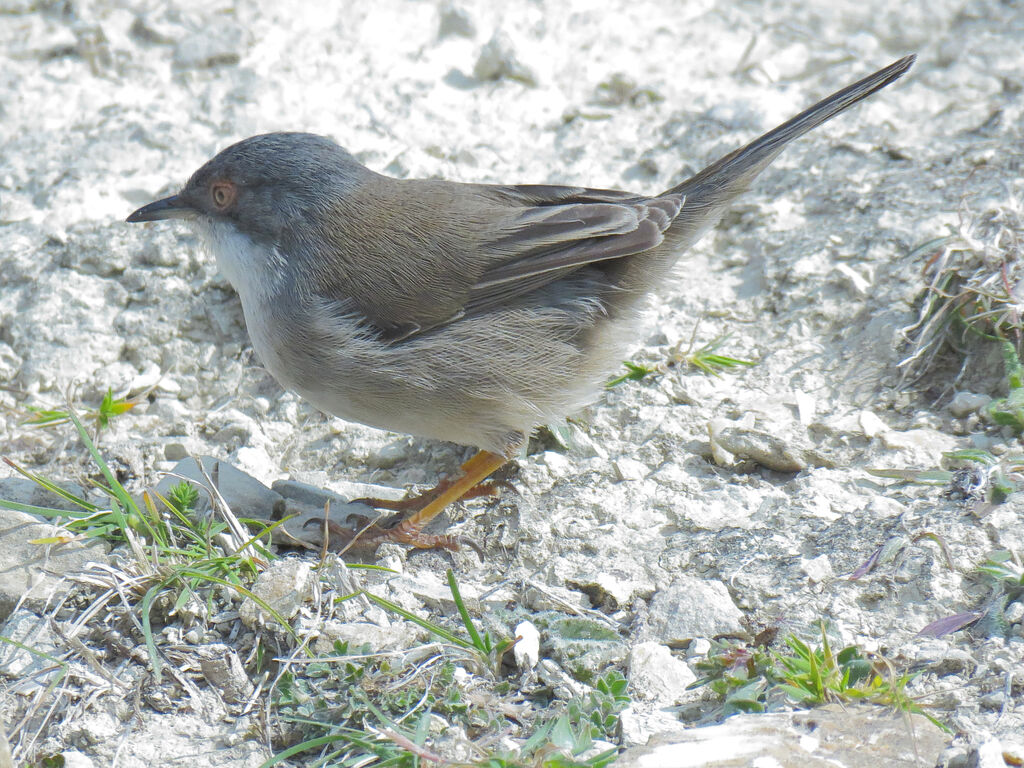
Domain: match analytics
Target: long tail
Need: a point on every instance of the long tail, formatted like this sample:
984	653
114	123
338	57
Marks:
708	192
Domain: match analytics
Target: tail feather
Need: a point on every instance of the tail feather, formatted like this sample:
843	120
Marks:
736	170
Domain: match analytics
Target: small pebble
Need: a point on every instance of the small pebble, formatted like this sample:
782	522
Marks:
527	648
966	403
175	451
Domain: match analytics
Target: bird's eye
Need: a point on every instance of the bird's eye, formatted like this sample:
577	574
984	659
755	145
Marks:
223	194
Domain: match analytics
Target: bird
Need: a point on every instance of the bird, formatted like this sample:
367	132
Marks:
470	313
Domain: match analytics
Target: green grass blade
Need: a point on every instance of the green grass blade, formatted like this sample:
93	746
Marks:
52	487
43	511
115	487
303	746
467	621
441	632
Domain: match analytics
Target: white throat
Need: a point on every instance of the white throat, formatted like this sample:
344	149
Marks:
255	271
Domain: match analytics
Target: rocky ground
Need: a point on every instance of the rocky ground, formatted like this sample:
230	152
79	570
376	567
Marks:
682	506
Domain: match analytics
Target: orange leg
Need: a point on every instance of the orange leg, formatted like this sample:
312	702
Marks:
474	471
415	503
410	530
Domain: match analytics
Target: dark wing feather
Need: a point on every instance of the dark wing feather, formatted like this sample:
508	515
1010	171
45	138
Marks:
575	228
412	256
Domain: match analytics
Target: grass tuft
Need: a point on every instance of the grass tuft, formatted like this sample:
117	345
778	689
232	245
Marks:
756	679
175	555
360	708
973	291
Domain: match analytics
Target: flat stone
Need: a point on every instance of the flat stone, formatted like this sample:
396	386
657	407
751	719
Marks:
175	451
966	403
775	450
396	637
21	490
245	495
690	608
828	737
305	503
315	496
656	675
818	569
224	671
284	586
35	571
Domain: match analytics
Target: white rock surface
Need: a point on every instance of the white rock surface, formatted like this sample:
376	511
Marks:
104	106
691	608
656	675
831	737
284	587
527	648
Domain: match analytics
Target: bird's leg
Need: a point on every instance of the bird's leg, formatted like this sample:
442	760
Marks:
410	530
420	500
474	471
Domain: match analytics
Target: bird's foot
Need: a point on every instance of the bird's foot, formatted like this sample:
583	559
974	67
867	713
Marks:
366	536
424	508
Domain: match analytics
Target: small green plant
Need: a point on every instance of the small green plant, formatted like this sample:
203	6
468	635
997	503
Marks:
174	553
183	497
1005	568
351	707
707	359
634	372
818	676
737	673
352	710
1006	573
752	679
1009	411
109	408
599	709
973	276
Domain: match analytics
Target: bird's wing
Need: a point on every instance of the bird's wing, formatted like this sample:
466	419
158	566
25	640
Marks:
412	256
560	229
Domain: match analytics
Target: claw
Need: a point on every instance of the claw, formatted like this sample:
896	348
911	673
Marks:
370	536
424	508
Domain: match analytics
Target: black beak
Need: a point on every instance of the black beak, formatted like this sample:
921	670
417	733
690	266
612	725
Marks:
172	207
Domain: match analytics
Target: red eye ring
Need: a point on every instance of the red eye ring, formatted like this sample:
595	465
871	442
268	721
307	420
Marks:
222	193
